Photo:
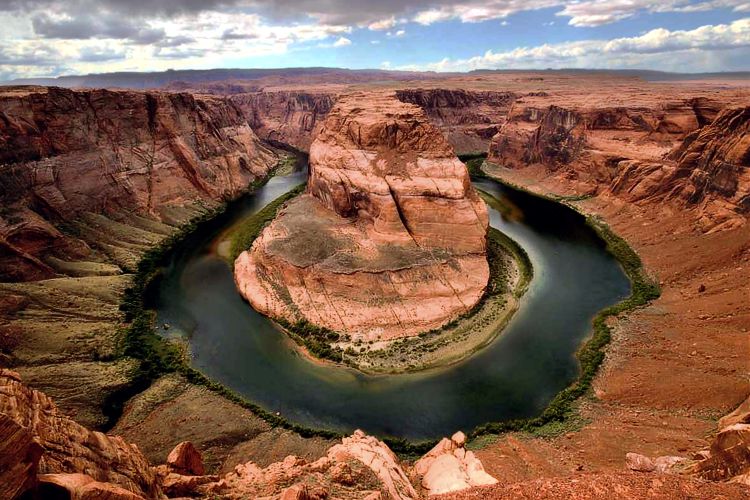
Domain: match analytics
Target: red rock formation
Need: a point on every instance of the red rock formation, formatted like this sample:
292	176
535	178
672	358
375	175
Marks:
185	459
729	455
81	487
449	467
286	116
684	151
65	152
389	239
19	458
67	448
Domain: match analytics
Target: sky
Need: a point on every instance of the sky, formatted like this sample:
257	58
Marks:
55	37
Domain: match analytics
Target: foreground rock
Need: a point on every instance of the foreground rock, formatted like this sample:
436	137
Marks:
449	467
46	454
66	447
389	230
729	455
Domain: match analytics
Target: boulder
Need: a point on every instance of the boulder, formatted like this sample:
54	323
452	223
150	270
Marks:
81	487
185	459
376	455
449	467
639	463
740	415
730	454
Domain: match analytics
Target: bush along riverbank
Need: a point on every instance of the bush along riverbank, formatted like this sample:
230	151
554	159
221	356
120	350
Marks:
510	273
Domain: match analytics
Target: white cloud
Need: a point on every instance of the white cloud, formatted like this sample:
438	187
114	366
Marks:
581	13
382	24
342	42
698	49
48	36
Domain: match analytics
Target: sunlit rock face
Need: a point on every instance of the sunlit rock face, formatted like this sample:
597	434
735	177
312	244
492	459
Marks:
389	239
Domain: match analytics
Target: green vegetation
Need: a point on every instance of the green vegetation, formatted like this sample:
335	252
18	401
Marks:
243	238
474	162
316	339
474	166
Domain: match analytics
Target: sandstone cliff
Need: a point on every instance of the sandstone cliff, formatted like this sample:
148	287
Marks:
63	446
689	152
389	239
47	455
66	155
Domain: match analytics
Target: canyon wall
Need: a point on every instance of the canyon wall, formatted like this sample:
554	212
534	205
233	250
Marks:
692	152
469	119
67	155
389	239
285	116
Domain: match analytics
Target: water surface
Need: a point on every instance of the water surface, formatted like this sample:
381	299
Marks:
514	376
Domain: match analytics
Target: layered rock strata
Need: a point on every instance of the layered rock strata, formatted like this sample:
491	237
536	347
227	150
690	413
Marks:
47	455
72	156
286	116
389	239
693	153
469	119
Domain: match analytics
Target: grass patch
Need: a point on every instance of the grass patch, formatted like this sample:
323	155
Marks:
244	237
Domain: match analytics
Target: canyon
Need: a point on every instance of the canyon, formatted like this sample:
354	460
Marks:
91	179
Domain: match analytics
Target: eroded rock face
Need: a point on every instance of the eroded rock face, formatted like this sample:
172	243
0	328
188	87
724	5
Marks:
286	116
688	152
469	119
389	239
66	153
69	448
185	459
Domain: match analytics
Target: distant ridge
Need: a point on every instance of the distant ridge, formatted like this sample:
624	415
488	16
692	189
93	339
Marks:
150	80
158	79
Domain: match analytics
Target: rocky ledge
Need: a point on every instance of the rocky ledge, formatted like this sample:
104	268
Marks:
44	454
388	241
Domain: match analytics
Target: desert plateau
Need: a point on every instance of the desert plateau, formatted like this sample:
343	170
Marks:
516	273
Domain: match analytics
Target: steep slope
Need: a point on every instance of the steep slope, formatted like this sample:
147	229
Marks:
691	153
286	116
469	119
67	155
389	239
90	180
